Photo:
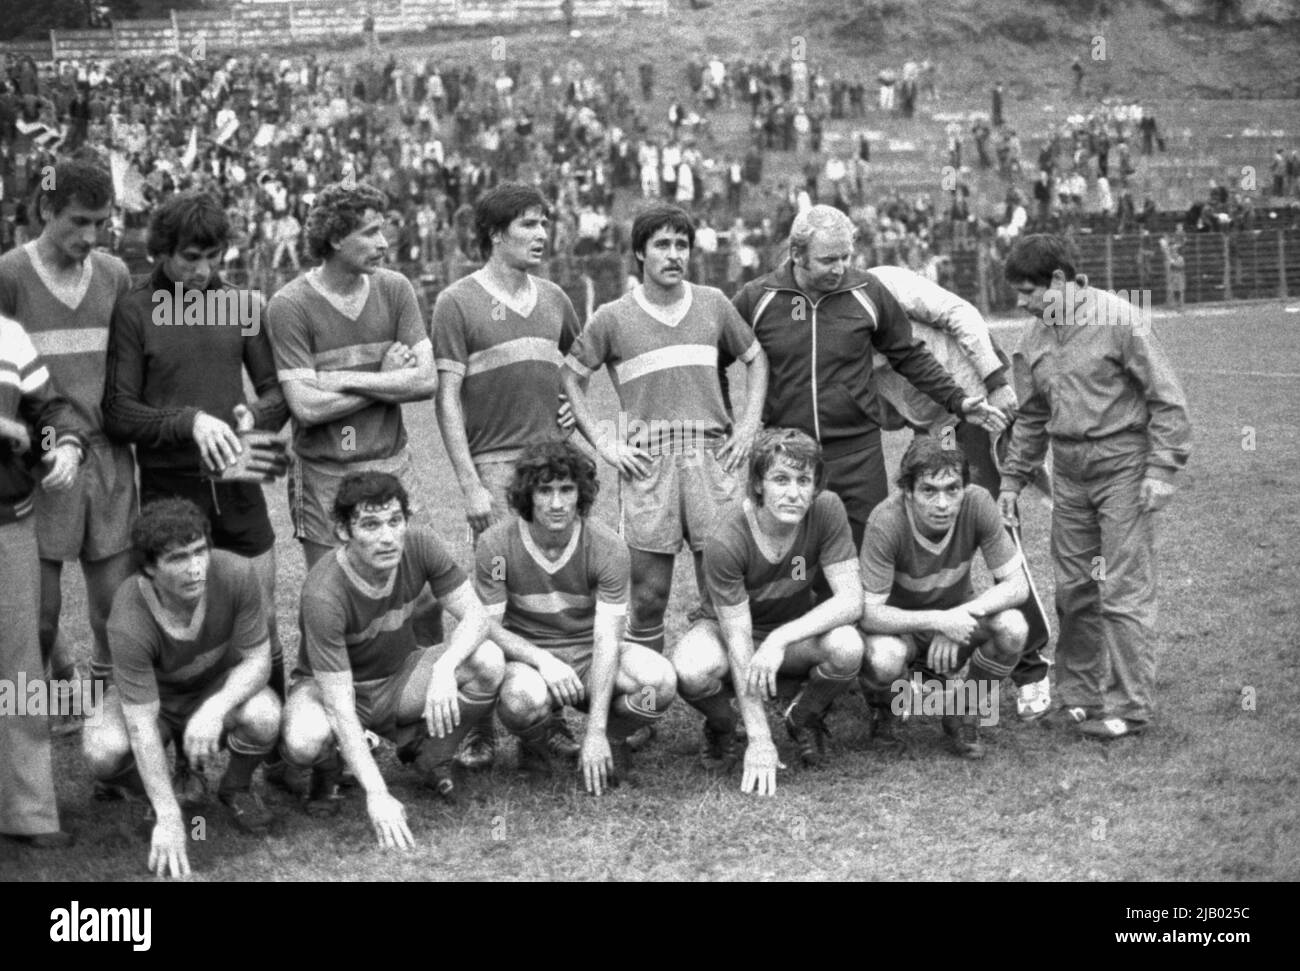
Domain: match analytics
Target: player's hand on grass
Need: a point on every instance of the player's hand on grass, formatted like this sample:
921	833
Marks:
735	453
564	415
481	509
203	736
218	444
597	762
64	461
441	709
16	434
760	679
561	681
1004	400
943	654
1155	494
956	624
630	461
388	817
761	763
398	357
979	412
167	854
1008	503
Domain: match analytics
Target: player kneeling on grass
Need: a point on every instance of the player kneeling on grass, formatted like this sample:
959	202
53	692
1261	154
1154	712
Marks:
919	604
191	661
556	585
361	669
759	567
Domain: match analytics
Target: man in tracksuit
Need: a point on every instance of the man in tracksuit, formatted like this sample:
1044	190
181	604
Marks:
1095	384
818	322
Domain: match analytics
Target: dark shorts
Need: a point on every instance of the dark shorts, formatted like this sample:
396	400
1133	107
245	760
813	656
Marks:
858	478
918	646
235	510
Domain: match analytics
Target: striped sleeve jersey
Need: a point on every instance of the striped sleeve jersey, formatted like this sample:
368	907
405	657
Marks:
552	603
902	568
349	625
509	362
154	659
744	569
309	334
666	374
71	338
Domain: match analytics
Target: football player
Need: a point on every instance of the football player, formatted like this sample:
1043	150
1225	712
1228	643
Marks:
556	585
761	621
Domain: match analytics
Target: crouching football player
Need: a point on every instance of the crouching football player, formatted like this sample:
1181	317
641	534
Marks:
191	660
556	584
759	567
361	669
919	604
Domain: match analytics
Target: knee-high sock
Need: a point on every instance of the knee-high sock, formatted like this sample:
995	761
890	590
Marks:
473	707
985	668
277	675
651	637
629	712
534	736
127	777
873	693
820	690
245	757
715	705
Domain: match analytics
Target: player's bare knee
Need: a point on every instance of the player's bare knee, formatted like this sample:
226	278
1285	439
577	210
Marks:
841	650
658	677
306	732
884	659
523	700
106	751
696	665
1010	632
486	667
259	717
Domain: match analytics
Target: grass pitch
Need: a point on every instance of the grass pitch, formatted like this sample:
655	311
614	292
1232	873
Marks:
1207	794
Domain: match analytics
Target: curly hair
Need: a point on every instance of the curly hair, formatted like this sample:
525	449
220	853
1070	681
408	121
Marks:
337	212
773	445
188	219
930	456
164	524
545	462
367	489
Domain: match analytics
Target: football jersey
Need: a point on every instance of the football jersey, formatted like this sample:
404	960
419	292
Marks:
552	603
916	573
349	625
72	340
666	375
742	566
153	659
494	347
309	334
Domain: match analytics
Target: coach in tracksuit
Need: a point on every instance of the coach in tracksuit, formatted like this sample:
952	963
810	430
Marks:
32	413
1095	384
818	322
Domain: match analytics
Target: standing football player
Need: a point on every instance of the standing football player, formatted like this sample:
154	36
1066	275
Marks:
62	290
501	327
675	448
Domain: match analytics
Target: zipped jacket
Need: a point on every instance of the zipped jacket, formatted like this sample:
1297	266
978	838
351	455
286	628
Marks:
819	355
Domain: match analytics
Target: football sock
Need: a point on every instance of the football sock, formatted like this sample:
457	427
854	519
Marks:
984	668
277	675
715	706
245	757
534	736
629	712
473	707
651	637
820	690
127	777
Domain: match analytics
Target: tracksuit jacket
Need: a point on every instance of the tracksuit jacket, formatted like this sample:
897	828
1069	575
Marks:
819	355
